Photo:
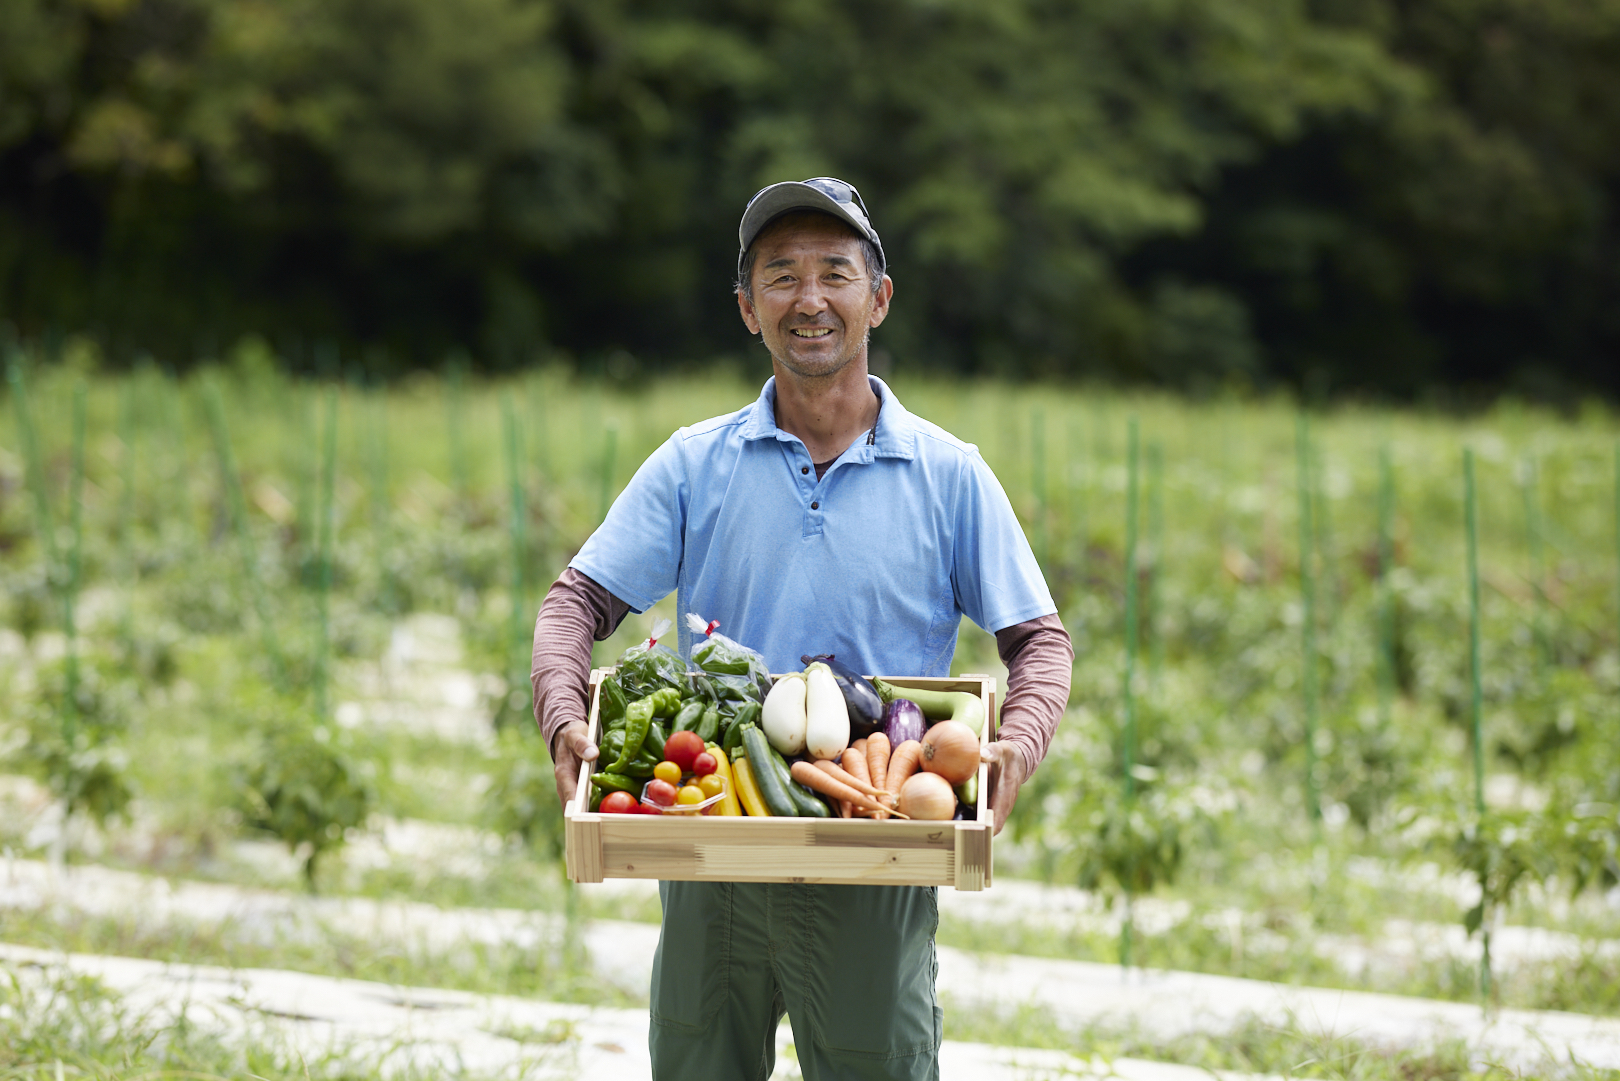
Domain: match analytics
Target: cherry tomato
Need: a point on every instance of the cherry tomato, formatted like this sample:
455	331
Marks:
668	771
690	794
660	792
712	784
702	765
619	803
643	809
682	747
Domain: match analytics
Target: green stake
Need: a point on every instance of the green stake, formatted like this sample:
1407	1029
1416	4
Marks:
1307	593
35	467
1528	483
1386	593
1127	687
1617	535
1078	478
379	499
126	513
70	589
514	479
328	493
1476	698
1155	633
1037	424
610	438
237	505
458	461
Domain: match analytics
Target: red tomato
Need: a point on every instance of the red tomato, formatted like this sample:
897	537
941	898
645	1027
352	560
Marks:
682	748
660	792
619	803
704	764
643	809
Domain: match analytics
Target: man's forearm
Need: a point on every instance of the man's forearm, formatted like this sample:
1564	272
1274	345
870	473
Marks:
576	612
1040	662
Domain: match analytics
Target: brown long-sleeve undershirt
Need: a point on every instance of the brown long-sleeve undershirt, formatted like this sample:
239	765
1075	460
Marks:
578	611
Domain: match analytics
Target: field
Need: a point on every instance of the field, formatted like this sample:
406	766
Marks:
263	634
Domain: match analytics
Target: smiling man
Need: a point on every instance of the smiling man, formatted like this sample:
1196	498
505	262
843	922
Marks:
822	518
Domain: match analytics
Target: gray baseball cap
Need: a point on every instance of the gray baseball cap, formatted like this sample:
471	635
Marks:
825	193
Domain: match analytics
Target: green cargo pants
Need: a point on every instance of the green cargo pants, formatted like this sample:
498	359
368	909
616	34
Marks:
852	966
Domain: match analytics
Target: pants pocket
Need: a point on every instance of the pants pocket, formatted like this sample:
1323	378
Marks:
870	970
689	975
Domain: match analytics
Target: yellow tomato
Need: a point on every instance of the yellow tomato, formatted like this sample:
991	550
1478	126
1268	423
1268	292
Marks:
667	771
690	794
712	785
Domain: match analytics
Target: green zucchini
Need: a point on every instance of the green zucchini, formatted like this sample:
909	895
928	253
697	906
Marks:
805	800
763	767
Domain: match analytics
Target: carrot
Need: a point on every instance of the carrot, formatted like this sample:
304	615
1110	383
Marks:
902	764
824	782
845	777
877	758
854	762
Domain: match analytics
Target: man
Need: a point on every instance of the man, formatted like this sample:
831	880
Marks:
822	518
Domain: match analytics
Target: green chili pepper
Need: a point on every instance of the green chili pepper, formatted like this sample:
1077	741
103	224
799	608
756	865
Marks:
616	782
654	741
733	739
613	704
638	717
709	726
640	767
666	701
596	798
690	713
612	743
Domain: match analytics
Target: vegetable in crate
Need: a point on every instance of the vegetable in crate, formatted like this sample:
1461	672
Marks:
647	667
720	656
903	721
613	703
826	727
938	705
860	697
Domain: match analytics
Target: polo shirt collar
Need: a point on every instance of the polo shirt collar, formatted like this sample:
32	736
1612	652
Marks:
896	427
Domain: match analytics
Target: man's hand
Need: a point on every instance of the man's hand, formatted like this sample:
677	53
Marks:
1006	776
573	748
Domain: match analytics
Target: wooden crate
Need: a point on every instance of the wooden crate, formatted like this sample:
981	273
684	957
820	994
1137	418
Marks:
741	849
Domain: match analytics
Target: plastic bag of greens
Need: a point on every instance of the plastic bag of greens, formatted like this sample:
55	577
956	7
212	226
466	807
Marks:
647	666
736	669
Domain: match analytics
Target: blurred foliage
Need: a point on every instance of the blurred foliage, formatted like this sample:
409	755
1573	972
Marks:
1343	193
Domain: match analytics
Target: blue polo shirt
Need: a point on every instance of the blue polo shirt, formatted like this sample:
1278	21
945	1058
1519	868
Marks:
876	562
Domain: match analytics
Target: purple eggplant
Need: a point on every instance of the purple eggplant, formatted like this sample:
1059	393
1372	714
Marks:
903	721
860	697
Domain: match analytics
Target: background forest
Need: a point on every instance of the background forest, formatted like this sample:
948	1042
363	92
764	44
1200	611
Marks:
1412	199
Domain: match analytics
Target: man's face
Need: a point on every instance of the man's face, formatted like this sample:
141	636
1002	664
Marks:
813	300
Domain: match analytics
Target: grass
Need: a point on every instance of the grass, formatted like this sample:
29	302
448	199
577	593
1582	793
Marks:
175	662
553	973
72	1027
1252	1047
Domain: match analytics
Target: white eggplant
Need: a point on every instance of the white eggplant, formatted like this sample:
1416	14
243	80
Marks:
826	730
783	717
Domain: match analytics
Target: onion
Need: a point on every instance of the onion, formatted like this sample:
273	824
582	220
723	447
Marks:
927	796
902	721
951	750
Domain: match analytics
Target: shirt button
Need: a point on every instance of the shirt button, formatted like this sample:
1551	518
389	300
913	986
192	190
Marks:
815	506
804	469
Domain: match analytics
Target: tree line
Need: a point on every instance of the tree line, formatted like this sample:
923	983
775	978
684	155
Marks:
1400	197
